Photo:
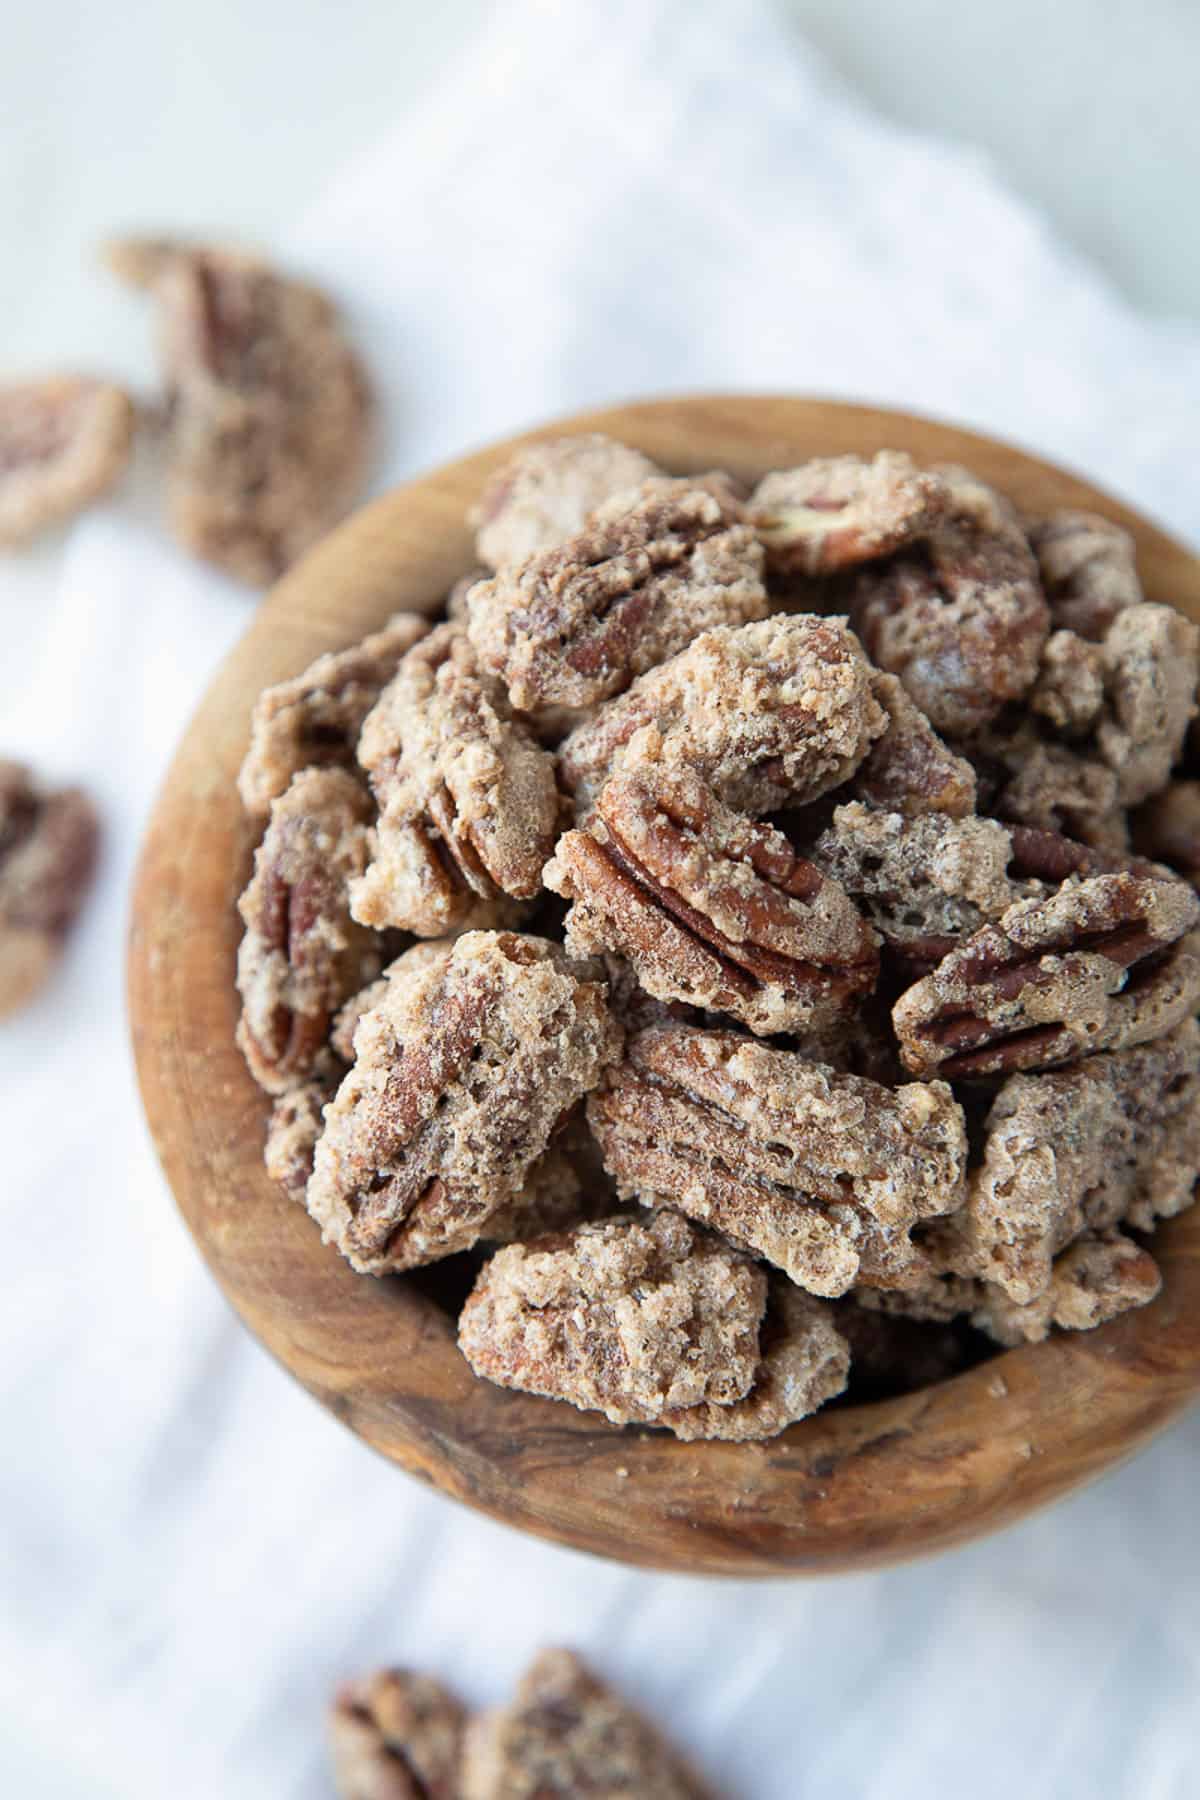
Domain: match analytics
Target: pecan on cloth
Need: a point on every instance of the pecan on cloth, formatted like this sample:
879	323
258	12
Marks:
48	841
711	908
821	1173
397	1736
64	441
462	1074
1101	964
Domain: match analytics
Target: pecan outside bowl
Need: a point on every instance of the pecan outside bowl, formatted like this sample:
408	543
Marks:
850	1488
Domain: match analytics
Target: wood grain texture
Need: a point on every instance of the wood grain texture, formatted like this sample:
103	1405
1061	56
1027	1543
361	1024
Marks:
846	1490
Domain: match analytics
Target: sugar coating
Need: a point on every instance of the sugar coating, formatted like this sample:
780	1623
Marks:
1069	690
821	1173
397	1735
1151	660
566	1735
1088	570
834	512
547	492
909	769
468	806
64	441
268	408
1052	786
575	625
313	721
771	714
462	1073
296	1122
302	955
48	845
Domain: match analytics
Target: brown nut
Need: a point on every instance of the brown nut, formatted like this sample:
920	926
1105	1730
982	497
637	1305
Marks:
302	955
771	714
1167	828
1088	569
709	907
268	408
397	1736
462	1074
313	721
575	625
1097	966
468	807
835	512
909	769
48	842
1100	1276
823	1174
64	441
547	492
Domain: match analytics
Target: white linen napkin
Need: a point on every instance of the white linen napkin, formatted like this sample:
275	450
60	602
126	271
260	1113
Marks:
598	201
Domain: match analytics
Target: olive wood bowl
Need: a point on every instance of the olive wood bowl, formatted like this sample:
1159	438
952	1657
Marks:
851	1488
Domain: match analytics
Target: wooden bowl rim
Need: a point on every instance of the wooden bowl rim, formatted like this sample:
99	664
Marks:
847	1489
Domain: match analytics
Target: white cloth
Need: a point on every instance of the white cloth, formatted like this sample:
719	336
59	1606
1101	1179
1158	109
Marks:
601	200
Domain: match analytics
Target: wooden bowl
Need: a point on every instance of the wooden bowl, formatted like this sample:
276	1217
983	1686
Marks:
847	1489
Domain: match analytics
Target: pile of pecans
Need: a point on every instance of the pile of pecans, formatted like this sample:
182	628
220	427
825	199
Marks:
869	1015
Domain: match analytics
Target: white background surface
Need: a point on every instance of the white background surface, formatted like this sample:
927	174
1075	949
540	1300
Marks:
598	201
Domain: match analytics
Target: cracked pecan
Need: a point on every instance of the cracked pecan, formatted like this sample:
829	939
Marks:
268	408
909	769
48	842
709	907
771	714
547	492
1097	966
575	625
835	512
64	441
1088	570
960	617
461	1076
567	1735
302	955
397	1736
823	1174
468	806
313	721
651	1321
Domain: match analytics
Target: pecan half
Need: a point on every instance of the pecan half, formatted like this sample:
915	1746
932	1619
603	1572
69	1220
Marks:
649	1321
468	807
709	907
296	1122
547	492
834	512
302	955
961	618
823	1174
909	769
461	1076
1050	786
771	714
1069	691
48	841
567	1735
313	721
64	441
397	1736
268	408
1115	1140
1088	569
1151	659
576	624
1097	966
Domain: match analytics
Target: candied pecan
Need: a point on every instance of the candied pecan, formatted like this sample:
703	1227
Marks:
1052	787
1114	1140
397	1736
456	599
1167	828
547	492
834	512
650	1321
268	408
771	714
296	1122
960	618
461	1075
64	441
1099	1277
1069	690
468	807
909	769
651	569
566	1735
48	845
313	721
302	955
1151	656
821	1173
1088	570
709	907
1097	966
567	1185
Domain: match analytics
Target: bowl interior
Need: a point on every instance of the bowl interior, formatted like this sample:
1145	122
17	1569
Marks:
855	1485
